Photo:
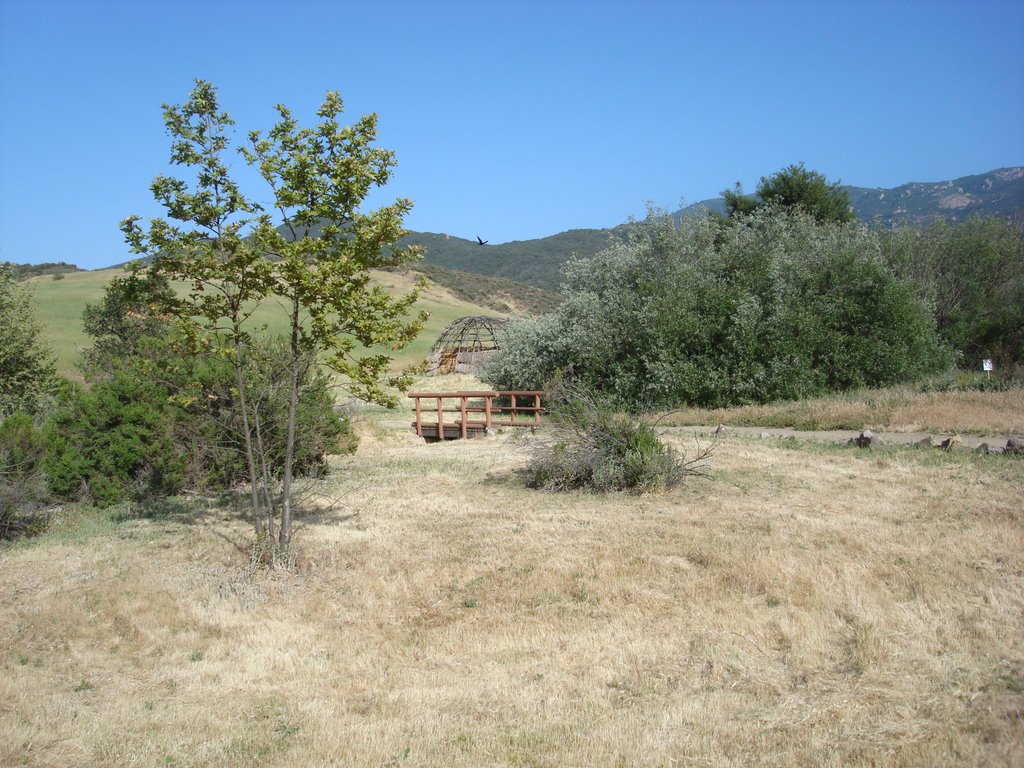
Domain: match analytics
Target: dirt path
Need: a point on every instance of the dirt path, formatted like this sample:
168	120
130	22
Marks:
995	443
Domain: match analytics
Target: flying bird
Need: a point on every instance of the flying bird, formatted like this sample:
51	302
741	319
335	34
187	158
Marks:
482	242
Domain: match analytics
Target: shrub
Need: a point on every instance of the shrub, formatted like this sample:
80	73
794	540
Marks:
22	486
147	432
114	442
320	430
589	445
162	414
775	306
972	273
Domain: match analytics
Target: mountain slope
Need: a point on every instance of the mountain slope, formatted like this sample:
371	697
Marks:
534	262
539	262
996	193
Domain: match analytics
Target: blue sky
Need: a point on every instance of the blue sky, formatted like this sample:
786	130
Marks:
511	120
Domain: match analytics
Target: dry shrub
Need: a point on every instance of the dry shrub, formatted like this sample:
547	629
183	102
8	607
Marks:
591	446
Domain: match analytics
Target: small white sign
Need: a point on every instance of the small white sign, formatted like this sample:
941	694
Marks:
986	365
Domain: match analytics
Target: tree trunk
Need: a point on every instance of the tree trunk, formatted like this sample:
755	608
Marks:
261	453
295	360
250	458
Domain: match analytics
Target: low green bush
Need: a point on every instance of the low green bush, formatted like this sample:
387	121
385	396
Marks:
162	424
114	442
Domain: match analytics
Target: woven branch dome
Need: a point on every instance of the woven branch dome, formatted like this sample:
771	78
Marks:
465	344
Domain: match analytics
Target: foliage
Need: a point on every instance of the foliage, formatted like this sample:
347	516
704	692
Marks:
794	187
25	271
166	421
972	272
589	445
775	306
22	485
26	368
112	443
132	310
315	259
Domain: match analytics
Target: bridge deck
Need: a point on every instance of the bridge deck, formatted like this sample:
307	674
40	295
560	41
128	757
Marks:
478	413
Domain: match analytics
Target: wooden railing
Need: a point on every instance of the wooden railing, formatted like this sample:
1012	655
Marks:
477	413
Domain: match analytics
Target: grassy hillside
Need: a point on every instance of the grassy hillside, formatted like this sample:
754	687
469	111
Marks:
497	293
534	262
59	305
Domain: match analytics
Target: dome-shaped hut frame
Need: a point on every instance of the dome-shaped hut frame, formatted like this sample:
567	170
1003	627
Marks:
466	343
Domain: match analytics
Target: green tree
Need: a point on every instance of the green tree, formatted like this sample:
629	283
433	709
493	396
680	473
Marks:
324	249
22	482
228	277
972	274
27	371
794	187
314	257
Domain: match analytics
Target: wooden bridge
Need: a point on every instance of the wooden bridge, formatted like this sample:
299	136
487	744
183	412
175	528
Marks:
477	413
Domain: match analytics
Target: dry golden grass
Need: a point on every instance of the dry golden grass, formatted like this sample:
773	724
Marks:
803	606
899	409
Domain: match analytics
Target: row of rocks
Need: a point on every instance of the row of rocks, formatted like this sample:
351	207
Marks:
1014	446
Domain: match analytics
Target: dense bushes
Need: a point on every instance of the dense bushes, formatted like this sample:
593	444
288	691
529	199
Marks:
972	274
161	413
114	442
157	425
774	306
27	380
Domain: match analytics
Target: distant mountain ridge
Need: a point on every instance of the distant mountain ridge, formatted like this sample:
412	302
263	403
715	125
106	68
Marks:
539	262
916	204
996	193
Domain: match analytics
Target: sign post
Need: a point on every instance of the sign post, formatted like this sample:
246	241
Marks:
987	367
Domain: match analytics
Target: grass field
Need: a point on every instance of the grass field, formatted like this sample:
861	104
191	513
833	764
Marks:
803	606
59	305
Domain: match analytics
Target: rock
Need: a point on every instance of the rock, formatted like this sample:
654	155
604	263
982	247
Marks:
1014	446
866	439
